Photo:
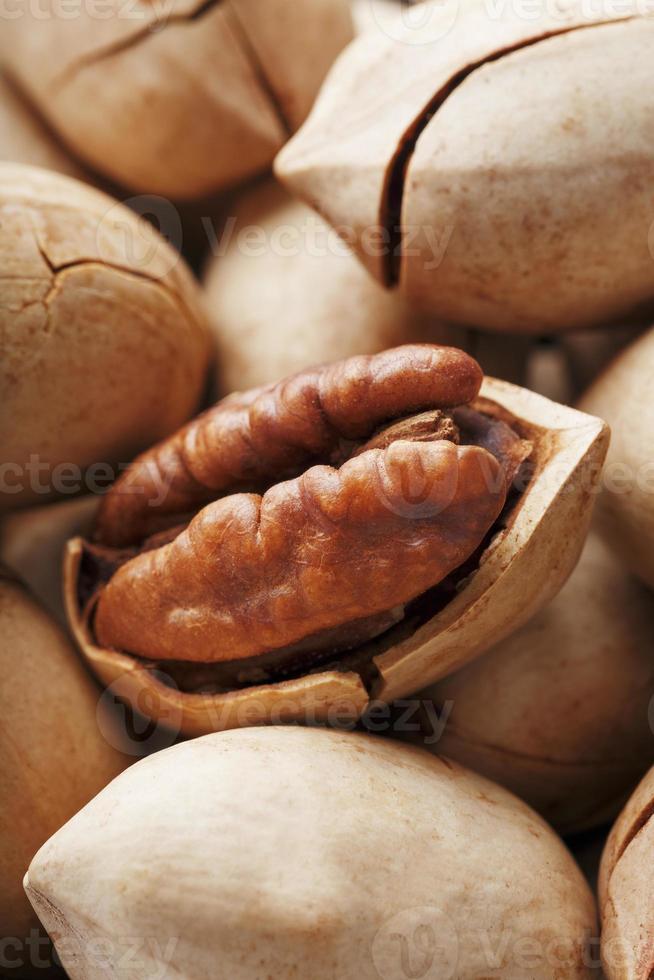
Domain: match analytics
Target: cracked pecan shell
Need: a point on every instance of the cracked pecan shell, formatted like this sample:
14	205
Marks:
178	99
343	536
496	168
98	318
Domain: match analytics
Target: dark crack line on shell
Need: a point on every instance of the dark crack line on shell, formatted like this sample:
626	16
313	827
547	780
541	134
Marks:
393	193
639	824
159	24
57	269
154	27
257	67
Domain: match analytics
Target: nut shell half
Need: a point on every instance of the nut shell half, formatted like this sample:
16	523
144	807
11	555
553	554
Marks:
290	852
522	568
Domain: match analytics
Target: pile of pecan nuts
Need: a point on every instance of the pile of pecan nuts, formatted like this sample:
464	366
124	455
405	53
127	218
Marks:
326	490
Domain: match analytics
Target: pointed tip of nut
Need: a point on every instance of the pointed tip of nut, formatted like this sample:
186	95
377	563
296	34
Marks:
291	164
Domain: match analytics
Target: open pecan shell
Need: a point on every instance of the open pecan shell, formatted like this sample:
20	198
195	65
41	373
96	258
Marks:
493	558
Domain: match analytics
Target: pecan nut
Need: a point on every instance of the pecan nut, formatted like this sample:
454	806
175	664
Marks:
349	535
464	180
178	102
318	854
335	551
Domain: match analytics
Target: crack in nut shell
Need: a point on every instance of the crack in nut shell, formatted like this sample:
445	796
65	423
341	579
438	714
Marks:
256	438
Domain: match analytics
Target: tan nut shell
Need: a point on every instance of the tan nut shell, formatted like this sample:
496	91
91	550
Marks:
54	757
626	889
371	15
104	345
558	712
177	99
623	396
589	352
292	296
25	139
522	569
525	204
290	852
32	544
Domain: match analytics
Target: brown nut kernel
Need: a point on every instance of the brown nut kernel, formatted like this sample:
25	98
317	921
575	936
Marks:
330	550
626	889
179	99
494	167
320	589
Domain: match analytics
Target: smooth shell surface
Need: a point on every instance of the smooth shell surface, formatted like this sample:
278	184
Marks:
302	853
626	889
558	713
623	396
522	569
54	756
178	99
32	544
104	342
509	156
25	139
285	293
